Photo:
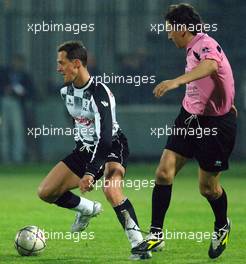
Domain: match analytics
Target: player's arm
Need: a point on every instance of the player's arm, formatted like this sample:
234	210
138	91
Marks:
203	69
103	125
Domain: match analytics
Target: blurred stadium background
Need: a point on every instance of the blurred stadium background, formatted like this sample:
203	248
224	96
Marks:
121	43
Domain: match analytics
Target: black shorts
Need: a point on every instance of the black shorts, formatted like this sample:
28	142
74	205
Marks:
77	160
209	139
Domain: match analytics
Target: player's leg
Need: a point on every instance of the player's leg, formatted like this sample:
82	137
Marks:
213	153
55	188
211	189
170	164
114	174
58	181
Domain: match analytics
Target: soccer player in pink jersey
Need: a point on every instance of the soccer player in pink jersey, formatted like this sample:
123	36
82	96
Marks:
205	128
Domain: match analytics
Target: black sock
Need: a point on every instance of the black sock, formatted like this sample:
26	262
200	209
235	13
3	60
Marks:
219	207
120	210
68	200
161	197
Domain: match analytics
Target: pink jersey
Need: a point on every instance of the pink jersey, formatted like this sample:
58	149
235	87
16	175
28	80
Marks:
214	94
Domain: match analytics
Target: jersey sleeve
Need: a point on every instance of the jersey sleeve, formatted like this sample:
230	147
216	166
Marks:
103	125
210	50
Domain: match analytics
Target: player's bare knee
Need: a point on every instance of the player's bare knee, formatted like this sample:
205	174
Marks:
164	176
112	183
116	173
209	192
113	179
45	194
42	194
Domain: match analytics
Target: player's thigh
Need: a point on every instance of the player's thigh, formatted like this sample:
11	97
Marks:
169	165
59	180
209	184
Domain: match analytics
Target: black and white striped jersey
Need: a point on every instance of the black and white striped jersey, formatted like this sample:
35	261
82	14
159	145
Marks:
93	109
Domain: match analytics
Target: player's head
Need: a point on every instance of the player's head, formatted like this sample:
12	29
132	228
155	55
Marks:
71	57
182	22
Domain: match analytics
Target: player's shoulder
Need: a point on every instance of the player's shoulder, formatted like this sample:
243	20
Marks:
65	88
101	89
207	40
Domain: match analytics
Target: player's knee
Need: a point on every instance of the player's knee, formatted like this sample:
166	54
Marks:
45	194
114	173
164	175
113	183
210	192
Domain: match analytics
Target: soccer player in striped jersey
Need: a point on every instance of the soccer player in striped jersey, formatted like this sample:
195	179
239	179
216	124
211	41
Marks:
101	149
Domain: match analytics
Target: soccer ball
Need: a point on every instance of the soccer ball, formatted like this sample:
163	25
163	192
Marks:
30	241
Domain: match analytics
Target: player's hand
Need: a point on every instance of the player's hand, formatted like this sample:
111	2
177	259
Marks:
86	183
165	86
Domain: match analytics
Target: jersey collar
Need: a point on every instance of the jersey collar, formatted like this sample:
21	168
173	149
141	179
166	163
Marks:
197	37
85	86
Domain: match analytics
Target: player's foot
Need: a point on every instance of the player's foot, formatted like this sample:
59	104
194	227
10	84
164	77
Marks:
142	256
160	247
150	243
219	240
82	221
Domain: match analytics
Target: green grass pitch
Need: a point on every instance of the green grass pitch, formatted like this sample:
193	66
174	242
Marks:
189	212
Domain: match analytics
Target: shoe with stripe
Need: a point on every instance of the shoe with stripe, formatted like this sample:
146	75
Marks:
219	240
150	243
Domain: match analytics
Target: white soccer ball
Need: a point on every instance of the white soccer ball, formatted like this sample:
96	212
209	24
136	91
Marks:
30	241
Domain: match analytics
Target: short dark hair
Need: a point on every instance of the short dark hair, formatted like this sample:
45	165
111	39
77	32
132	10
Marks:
75	50
183	14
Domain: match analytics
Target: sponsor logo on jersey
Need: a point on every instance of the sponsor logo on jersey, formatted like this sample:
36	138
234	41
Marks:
84	121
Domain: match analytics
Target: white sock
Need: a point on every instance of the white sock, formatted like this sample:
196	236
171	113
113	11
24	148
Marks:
85	206
132	230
